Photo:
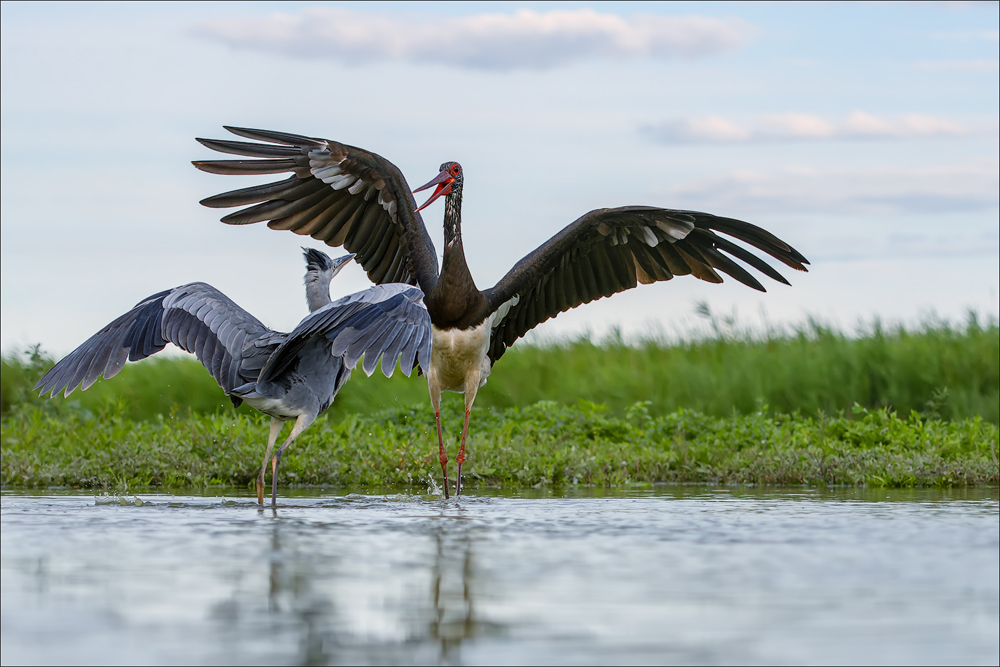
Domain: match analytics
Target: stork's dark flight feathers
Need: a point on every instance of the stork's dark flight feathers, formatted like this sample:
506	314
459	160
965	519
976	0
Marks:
338	194
347	196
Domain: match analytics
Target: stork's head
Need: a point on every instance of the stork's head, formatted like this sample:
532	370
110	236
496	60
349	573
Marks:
448	180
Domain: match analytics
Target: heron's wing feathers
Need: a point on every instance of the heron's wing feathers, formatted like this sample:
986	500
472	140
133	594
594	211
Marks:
196	317
387	321
338	194
611	250
256	352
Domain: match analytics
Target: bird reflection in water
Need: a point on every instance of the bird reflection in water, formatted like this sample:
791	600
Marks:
308	610
338	610
454	612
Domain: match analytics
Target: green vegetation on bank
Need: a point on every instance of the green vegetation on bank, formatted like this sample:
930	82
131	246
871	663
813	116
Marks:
937	369
891	407
543	444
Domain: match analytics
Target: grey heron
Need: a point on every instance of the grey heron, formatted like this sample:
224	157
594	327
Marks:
288	376
344	195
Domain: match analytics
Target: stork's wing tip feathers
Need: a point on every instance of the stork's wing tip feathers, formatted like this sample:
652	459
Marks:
275	137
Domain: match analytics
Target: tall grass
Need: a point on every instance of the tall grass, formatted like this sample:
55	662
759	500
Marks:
938	369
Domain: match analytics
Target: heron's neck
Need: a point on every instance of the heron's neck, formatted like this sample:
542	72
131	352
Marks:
317	289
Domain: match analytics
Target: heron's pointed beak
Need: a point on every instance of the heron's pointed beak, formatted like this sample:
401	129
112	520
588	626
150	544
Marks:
443	182
341	261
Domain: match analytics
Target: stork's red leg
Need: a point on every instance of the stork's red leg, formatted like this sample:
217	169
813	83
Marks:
461	453
442	455
471	388
435	392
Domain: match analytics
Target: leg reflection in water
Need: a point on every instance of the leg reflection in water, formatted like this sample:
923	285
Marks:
342	591
454	612
296	602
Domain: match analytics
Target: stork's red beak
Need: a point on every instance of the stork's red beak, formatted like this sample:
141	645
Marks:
443	182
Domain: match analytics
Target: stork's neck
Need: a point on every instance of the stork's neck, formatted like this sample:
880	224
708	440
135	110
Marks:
455	296
453	266
453	248
317	289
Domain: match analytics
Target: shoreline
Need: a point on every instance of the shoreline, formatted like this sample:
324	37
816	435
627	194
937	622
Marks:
545	444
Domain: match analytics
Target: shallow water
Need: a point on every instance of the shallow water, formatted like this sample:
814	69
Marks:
664	575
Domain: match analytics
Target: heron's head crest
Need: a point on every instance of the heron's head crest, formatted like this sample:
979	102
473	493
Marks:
317	260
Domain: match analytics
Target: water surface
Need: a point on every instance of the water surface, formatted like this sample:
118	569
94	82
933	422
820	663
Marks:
662	575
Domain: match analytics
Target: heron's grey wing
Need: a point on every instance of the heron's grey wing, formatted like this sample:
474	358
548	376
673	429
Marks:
196	317
256	353
611	250
338	194
387	321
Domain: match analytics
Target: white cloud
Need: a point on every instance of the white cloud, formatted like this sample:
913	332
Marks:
967	187
523	40
976	66
865	126
969	35
707	129
791	126
799	127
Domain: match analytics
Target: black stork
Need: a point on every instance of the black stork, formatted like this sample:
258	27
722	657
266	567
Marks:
347	196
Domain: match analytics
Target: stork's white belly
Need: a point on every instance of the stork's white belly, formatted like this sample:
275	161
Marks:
458	356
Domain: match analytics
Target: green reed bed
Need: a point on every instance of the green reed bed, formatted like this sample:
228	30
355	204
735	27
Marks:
952	372
543	444
890	406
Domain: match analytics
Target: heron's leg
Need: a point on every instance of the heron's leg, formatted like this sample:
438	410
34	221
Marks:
276	425
435	392
301	424
471	387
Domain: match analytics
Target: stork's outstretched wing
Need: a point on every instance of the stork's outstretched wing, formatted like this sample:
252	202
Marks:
611	250
337	194
387	321
196	318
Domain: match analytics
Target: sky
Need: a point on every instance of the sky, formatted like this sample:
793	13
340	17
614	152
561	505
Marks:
864	134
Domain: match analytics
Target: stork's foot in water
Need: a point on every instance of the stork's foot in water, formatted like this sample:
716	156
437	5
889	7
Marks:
444	478
442	455
260	489
460	459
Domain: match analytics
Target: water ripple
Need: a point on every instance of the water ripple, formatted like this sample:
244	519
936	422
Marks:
663	575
